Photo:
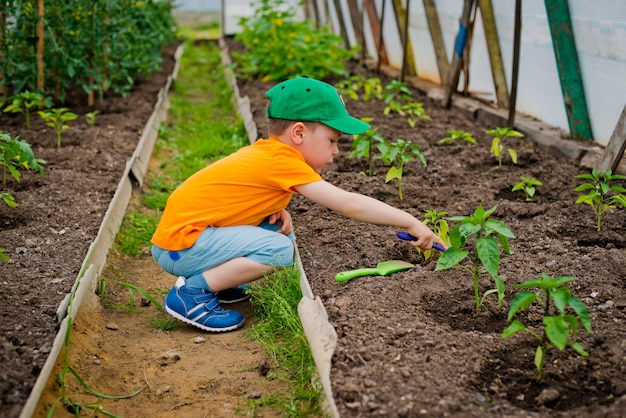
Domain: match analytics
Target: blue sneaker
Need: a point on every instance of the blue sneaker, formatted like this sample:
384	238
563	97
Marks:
234	294
200	308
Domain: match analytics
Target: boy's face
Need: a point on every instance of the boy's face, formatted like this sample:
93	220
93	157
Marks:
319	145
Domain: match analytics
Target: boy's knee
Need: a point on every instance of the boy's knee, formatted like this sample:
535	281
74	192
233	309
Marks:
284	251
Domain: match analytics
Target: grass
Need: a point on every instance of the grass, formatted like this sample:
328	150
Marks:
275	302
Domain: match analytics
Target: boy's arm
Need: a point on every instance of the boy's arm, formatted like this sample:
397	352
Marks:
366	209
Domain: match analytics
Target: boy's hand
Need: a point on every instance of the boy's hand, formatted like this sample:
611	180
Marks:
426	237
282	218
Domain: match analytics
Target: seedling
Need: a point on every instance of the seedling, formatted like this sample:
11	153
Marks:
396	155
9	199
602	195
528	186
490	235
24	102
56	118
396	91
372	89
557	328
350	87
3	256
456	136
362	145
90	117
439	226
16	154
497	145
414	111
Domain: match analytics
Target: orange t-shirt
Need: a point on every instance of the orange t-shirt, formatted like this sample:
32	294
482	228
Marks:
241	189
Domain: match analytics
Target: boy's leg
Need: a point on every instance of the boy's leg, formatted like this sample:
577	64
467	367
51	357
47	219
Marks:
221	259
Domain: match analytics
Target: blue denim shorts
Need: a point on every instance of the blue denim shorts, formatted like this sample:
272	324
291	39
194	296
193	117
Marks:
215	246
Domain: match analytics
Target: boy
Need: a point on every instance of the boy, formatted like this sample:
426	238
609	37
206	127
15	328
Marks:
227	225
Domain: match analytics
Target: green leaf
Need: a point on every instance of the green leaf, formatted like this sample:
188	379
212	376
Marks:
393	173
583	187
581	311
468	229
521	301
561	298
498	227
500	288
489	254
621	199
513	155
573	324
539	355
557	330
579	348
450	258
515	327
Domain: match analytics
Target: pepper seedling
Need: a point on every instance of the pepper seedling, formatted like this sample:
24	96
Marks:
490	235
556	327
602	196
397	154
56	118
528	185
362	145
24	102
497	144
458	136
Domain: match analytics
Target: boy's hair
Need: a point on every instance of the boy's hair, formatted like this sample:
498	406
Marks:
277	126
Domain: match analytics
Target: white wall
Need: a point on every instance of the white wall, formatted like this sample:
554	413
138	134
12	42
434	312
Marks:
600	34
599	30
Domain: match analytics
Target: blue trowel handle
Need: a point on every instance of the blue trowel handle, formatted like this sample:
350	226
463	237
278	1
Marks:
408	237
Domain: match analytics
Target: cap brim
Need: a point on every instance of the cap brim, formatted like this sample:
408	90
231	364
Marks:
347	125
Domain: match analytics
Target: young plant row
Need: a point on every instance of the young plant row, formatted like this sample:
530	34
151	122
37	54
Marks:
475	246
98	45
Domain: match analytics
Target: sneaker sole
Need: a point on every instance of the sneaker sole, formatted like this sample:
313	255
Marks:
232	300
203	327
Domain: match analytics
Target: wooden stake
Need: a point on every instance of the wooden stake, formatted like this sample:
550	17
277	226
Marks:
495	55
357	24
436	35
380	37
3	25
457	60
40	46
342	24
402	20
616	146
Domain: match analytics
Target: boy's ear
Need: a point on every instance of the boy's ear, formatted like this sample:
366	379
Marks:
297	132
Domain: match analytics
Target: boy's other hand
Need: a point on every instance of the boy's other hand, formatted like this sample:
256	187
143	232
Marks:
282	218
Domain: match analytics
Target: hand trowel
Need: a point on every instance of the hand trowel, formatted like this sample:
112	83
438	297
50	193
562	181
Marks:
384	268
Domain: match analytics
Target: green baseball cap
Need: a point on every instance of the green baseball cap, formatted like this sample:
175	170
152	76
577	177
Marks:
309	100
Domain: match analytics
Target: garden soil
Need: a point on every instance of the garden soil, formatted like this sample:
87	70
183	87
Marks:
409	344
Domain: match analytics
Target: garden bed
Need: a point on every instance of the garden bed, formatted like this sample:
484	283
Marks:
411	343
48	235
